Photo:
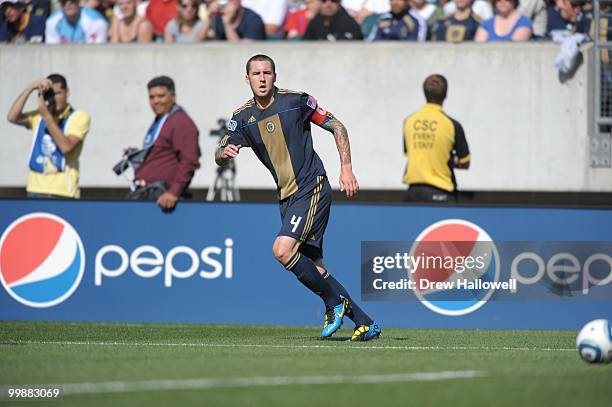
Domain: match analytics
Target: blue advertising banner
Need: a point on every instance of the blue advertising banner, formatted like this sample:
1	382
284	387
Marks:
213	263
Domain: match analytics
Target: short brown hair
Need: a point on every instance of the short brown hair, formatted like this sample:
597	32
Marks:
435	87
260	57
516	3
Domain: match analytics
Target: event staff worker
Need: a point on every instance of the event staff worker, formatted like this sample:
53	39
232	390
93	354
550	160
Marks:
173	152
59	131
435	144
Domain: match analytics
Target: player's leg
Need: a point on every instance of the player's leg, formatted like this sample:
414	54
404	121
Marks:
298	214
365	327
286	252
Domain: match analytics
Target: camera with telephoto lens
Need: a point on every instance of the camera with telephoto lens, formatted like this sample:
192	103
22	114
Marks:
221	130
123	165
49	96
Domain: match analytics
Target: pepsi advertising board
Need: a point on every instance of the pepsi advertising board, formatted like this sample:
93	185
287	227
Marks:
213	263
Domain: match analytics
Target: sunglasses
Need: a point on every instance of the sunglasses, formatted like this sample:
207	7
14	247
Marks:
62	2
330	1
192	6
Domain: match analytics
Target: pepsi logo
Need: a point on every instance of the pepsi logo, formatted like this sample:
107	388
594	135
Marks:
41	260
436	282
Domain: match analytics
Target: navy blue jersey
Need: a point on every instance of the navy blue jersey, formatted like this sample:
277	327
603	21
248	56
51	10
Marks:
405	26
555	22
31	28
451	29
281	138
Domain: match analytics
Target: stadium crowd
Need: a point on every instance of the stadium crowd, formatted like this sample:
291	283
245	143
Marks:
188	21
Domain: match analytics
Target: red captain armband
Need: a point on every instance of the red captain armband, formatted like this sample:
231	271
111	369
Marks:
319	116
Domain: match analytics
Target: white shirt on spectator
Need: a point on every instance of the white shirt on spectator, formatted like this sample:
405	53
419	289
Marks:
480	7
270	11
375	6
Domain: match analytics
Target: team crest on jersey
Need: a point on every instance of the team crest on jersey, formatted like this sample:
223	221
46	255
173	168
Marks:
231	125
252	119
270	127
311	102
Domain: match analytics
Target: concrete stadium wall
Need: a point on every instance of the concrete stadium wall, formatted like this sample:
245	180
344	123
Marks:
526	129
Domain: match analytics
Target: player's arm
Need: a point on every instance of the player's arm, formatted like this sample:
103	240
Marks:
327	121
223	155
231	143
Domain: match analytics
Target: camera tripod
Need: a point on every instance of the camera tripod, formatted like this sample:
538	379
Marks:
225	184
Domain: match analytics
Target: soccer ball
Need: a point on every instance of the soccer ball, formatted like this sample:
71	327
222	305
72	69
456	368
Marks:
594	342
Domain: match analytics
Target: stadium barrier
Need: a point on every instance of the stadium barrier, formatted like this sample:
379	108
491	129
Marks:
212	263
527	130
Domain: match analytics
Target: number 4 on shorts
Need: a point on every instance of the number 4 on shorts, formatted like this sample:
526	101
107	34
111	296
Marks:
295	222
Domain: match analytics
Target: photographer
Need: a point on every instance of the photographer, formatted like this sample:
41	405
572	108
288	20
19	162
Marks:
59	131
170	152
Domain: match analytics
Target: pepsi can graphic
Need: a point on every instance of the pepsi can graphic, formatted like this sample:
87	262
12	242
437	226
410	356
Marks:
435	286
42	260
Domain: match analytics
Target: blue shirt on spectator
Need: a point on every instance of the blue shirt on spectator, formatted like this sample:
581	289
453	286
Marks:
489	27
251	26
30	28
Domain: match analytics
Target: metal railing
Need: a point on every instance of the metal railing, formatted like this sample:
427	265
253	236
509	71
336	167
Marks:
602	108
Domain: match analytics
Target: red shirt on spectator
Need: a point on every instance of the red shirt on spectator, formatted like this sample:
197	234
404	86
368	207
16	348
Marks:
159	12
297	20
174	156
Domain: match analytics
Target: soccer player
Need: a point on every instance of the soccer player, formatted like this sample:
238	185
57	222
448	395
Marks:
275	123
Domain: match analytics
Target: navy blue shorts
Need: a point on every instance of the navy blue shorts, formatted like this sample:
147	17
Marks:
305	215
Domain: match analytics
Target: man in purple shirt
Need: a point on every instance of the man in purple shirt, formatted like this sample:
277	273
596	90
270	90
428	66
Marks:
171	145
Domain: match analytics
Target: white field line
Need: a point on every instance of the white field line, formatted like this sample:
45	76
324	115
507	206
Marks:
355	346
258	381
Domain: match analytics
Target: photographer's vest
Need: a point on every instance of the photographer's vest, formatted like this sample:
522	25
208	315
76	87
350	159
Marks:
51	172
45	155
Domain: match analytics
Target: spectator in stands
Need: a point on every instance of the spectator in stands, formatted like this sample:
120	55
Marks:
272	12
159	12
20	25
131	27
333	23
562	16
507	25
235	23
297	21
171	149
460	26
361	9
425	10
481	8
186	27
75	24
402	23
434	144
59	131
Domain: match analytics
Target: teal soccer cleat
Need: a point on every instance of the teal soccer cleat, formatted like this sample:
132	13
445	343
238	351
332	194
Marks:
366	332
333	318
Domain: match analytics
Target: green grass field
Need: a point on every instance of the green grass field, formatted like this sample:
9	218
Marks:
224	365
